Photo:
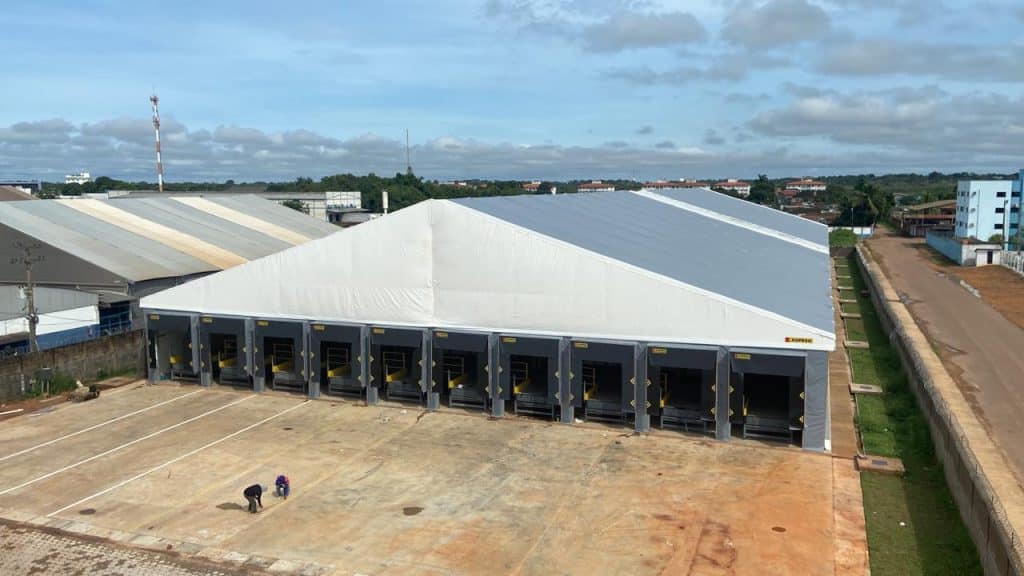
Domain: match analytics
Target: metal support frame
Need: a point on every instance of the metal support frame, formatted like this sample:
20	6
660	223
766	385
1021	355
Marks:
723	428
308	356
565	398
816	433
494	376
427	373
205	374
642	419
366	376
152	364
250	355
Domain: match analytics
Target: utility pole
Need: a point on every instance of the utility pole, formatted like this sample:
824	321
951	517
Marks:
156	128
28	259
408	160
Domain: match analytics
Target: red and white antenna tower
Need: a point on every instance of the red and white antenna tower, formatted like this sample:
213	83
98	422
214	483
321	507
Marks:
156	127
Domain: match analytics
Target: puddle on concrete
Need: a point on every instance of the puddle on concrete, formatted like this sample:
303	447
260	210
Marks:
288	428
87	511
779	529
412	510
230	506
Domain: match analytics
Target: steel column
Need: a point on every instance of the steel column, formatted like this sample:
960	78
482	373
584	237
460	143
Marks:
494	370
642	419
723	429
565	380
427	364
366	376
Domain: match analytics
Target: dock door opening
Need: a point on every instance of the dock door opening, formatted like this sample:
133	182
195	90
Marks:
601	380
395	363
170	348
227	361
339	376
460	368
768	396
282	365
528	374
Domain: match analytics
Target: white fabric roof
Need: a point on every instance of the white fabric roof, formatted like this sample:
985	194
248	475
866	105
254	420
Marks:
454	265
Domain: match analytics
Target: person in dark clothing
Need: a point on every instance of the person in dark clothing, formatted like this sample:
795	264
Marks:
254	494
283	486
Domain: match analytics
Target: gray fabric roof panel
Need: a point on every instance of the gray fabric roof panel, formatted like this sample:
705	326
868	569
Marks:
747	266
235	238
749	211
274	213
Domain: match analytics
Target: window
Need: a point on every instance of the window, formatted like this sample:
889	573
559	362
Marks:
999	226
1000	194
1000	210
1014	209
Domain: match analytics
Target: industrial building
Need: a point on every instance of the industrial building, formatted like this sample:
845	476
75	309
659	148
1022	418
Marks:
343	208
115	251
677	308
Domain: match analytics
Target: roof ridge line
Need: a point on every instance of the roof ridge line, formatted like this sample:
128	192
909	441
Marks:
758	228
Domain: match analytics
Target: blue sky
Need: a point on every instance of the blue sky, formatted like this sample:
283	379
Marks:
528	89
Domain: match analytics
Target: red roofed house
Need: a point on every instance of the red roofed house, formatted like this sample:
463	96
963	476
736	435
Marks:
738	187
595	186
531	186
807	185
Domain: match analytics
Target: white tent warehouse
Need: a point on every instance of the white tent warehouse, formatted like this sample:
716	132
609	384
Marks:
682	308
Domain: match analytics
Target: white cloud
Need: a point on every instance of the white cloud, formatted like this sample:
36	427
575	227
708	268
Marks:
628	30
952	61
775	23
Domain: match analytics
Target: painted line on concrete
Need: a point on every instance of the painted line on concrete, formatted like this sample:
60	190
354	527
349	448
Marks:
177	459
122	446
100	425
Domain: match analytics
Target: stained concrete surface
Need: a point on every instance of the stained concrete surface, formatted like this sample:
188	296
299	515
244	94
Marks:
387	490
979	346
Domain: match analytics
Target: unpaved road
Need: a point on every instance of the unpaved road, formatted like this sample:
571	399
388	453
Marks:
982	349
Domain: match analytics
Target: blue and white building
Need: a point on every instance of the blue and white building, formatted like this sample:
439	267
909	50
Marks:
985	208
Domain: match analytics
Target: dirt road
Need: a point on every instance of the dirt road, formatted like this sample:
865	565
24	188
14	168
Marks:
982	349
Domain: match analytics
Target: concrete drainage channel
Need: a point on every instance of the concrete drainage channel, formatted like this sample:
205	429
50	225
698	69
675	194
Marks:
984	489
248	563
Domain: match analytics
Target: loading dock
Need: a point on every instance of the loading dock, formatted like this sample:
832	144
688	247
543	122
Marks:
169	348
281	355
682	392
767	395
460	368
223	351
396	363
601	375
529	375
336	362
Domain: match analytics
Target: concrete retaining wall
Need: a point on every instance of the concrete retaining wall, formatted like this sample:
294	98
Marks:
982	483
82	361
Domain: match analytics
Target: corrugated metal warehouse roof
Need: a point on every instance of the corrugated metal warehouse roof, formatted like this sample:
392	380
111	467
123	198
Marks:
139	239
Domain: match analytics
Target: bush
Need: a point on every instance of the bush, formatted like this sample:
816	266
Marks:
842	238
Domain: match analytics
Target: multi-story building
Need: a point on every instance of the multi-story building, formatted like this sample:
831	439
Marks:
738	187
595	186
80	178
985	208
807	185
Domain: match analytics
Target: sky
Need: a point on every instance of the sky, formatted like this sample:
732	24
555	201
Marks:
516	89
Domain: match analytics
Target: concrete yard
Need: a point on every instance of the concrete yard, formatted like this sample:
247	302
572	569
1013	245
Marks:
395	490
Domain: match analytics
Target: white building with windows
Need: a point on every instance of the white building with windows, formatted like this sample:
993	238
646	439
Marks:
985	208
80	178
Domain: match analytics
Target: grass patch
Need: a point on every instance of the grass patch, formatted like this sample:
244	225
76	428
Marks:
932	539
104	375
850	308
855	329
